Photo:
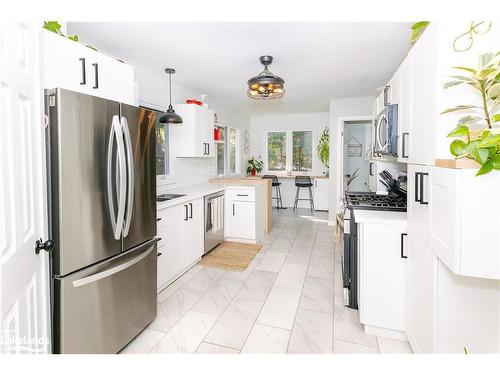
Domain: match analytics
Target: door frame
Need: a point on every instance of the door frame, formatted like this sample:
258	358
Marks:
339	156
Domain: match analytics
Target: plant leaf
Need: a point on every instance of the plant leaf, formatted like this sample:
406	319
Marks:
53	26
447	85
470	70
74	38
486	72
495	118
459	108
457	148
494	91
417	29
481	155
485	59
486	168
459	131
469	119
495	161
463	78
492	140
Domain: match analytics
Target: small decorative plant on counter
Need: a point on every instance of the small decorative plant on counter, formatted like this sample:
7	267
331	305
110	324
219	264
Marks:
478	132
324	148
254	166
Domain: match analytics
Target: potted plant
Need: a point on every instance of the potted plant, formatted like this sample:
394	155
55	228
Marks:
254	166
478	132
324	148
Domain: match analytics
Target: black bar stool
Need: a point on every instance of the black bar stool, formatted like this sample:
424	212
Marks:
303	182
276	184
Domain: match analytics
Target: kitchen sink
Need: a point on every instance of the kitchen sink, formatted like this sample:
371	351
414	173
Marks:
167	197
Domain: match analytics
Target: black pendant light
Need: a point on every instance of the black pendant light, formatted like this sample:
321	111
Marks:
266	85
170	117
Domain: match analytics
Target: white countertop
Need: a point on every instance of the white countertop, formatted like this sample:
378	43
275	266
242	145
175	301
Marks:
379	217
198	191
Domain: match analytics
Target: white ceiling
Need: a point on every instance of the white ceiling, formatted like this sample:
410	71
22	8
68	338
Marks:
318	61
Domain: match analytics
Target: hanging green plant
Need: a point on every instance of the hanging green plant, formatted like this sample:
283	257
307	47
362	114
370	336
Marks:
417	29
324	147
55	27
482	143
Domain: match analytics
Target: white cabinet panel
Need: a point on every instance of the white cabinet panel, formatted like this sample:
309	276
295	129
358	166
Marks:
382	275
193	232
421	295
405	110
194	138
242	216
418	207
321	193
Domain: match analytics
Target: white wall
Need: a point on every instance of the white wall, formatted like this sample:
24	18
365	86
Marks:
298	121
152	90
342	109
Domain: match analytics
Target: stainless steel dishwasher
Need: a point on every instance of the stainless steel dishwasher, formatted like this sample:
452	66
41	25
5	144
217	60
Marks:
214	220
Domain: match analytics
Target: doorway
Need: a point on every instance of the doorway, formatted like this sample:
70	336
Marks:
356	152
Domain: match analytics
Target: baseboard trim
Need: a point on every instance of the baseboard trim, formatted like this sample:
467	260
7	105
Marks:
387	333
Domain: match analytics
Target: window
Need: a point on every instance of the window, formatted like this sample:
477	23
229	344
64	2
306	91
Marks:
302	151
221	152
162	144
234	154
276	151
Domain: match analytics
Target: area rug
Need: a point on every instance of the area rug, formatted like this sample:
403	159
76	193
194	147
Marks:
231	256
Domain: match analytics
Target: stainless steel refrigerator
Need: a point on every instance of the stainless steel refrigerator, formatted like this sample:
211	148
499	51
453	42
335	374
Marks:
102	203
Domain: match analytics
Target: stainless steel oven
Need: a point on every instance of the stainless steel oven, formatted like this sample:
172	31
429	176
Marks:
214	220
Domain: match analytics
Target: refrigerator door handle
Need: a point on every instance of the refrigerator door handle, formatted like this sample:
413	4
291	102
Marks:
130	176
116	219
111	271
117	229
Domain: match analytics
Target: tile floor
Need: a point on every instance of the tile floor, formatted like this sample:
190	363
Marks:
289	300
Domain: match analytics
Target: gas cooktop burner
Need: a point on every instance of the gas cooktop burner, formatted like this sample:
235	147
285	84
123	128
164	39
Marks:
372	201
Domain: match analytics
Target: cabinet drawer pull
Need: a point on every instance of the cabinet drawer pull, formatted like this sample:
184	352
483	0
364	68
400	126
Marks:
242	195
233	209
371	169
190	210
422	188
417	180
403	151
403	235
158	218
96	76
208	148
157	255
386	95
84	76
186	212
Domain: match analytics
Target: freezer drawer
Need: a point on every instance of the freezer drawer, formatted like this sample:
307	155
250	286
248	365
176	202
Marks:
102	308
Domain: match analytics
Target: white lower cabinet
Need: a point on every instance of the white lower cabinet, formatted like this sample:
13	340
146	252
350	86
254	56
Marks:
445	312
382	248
180	230
321	193
244	214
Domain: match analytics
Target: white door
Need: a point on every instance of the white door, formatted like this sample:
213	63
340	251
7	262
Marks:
193	232
242	220
24	297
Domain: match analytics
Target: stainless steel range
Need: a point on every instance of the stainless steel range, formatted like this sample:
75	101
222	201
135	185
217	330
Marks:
361	201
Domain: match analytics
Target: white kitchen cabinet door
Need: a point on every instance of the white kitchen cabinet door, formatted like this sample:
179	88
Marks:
194	138
321	194
110	78
424	78
421	296
380	102
404	110
382	275
65	63
241	220
192	231
171	260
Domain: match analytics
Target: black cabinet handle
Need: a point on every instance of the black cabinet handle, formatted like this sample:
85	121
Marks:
96	76
233	209
190	210
417	181
242	195
403	235
208	148
422	188
157	255
158	239
403	151
371	169
186	213
84	76
158	219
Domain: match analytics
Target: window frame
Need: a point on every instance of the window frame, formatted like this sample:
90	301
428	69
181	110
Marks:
289	151
167	178
237	151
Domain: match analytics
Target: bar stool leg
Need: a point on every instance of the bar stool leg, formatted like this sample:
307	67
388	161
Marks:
311	201
296	199
281	200
276	188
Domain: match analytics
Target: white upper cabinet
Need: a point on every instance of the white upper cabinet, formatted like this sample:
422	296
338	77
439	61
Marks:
404	110
194	137
73	66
